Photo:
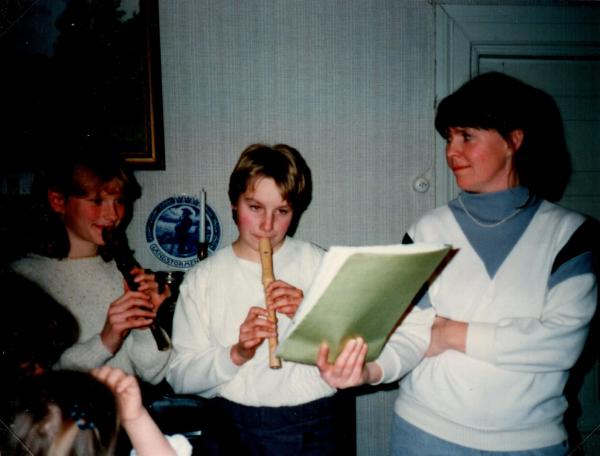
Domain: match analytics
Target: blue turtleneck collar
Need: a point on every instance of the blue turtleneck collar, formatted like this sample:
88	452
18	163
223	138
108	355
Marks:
492	207
494	222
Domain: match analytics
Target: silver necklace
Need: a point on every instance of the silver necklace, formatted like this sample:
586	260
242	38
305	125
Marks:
483	224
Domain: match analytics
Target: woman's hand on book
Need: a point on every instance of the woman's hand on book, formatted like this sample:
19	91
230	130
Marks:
349	369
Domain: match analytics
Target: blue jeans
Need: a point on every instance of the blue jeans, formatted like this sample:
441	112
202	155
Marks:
408	440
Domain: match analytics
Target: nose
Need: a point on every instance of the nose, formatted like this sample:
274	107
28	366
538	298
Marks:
111	211
452	148
267	222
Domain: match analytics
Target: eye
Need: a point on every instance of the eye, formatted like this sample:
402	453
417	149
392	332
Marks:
466	136
284	211
254	207
451	136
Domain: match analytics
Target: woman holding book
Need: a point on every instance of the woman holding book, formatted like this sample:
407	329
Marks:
509	314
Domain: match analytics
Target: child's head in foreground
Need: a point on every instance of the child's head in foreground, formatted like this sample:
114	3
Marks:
64	413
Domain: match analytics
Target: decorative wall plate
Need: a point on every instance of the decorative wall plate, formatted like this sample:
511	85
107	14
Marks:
172	231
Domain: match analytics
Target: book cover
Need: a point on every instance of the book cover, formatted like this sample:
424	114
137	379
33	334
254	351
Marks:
358	291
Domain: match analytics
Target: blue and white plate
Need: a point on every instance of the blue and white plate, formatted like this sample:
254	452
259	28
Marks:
172	231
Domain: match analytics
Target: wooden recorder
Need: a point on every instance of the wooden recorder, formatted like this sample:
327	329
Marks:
266	261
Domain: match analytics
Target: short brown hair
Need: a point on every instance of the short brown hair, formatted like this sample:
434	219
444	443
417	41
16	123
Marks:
280	162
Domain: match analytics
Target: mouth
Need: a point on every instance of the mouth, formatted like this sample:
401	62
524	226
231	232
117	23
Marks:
272	240
104	227
269	235
456	169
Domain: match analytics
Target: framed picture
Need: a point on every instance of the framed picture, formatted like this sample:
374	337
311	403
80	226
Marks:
81	70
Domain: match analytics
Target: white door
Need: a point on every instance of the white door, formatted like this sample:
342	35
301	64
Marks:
556	49
575	85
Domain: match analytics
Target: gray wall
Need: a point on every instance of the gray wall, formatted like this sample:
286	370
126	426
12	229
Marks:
349	83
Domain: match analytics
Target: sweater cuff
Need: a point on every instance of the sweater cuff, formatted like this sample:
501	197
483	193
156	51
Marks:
142	335
225	366
97	351
480	341
387	358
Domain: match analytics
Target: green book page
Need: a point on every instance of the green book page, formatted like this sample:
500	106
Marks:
367	296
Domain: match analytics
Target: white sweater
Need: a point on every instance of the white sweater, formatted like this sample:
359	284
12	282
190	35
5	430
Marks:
87	287
214	300
527	325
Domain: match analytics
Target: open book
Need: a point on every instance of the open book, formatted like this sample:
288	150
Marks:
358	291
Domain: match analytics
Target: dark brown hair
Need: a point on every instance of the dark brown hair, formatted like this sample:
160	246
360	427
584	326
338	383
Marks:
496	101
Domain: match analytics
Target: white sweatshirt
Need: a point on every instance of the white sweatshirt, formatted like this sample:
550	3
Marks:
214	300
528	310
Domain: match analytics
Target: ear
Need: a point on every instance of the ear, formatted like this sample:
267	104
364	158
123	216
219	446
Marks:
56	201
515	139
234	213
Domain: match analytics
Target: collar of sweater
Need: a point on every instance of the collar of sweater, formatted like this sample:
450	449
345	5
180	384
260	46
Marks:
494	206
